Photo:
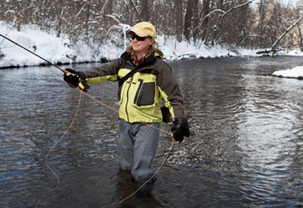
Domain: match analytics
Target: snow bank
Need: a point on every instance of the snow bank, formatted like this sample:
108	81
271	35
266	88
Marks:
60	50
290	73
46	45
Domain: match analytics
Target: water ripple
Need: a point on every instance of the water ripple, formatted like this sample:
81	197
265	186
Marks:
245	148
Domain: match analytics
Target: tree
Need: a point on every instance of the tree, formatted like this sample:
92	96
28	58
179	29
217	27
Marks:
188	19
179	16
204	21
144	15
231	22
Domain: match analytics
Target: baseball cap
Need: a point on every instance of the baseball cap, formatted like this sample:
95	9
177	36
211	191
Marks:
143	29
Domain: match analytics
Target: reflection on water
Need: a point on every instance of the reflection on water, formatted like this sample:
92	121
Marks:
246	148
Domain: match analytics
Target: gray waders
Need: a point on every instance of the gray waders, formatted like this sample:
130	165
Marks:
138	144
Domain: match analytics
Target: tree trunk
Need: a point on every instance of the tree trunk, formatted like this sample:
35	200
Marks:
144	15
205	25
188	19
179	20
195	19
300	38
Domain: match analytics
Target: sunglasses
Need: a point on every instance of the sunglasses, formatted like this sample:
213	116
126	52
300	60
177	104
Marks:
134	36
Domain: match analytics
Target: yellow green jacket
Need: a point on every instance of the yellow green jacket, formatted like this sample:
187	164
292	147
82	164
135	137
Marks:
140	96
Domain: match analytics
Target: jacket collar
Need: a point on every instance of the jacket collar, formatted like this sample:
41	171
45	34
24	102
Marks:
127	57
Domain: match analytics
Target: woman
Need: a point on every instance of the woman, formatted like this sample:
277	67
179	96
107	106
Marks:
140	98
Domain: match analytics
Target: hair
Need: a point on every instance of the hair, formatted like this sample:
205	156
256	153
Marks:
151	50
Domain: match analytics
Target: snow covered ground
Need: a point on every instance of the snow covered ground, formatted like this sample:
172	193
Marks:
59	50
290	73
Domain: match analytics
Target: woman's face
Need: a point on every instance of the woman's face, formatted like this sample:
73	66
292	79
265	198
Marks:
141	46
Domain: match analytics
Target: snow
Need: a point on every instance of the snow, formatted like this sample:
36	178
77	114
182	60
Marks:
48	46
284	3
60	50
290	73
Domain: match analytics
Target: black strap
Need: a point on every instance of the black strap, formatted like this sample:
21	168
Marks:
131	73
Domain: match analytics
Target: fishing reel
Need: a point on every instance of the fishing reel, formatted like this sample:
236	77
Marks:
76	79
83	85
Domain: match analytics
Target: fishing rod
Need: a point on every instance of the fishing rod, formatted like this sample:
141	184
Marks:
81	86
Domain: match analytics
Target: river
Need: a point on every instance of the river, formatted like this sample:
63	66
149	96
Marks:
245	148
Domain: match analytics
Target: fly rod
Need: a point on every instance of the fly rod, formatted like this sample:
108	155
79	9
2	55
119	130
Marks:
81	86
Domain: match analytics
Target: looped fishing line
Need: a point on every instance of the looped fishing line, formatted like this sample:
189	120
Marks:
161	130
158	170
77	111
131	195
78	107
57	178
63	135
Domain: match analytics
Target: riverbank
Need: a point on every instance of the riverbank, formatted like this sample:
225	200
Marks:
61	52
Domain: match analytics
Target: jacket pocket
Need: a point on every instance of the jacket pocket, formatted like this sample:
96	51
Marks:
145	94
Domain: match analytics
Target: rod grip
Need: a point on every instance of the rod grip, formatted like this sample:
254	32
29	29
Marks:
82	87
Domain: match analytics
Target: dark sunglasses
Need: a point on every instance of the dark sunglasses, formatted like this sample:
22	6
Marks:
133	36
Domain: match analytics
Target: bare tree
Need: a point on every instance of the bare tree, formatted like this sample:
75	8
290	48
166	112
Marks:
144	15
230	22
300	38
179	17
188	19
204	25
273	48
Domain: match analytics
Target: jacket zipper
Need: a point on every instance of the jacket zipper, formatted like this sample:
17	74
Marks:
127	94
127	99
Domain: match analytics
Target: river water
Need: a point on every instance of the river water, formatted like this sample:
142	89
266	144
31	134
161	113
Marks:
245	148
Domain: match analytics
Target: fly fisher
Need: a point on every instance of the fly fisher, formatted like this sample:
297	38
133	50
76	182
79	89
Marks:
145	80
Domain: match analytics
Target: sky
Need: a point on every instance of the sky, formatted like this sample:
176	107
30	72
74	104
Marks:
57	50
284	2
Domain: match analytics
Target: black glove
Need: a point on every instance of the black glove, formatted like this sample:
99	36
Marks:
77	78
180	129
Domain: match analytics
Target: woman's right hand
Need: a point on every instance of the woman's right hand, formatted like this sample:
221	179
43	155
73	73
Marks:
75	79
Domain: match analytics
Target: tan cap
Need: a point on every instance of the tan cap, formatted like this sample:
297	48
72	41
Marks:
144	29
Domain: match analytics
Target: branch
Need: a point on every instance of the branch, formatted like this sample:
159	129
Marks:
233	8
105	6
135	8
273	48
208	15
123	27
113	17
80	11
286	31
222	11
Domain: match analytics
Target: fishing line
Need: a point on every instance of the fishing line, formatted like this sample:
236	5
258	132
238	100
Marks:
63	135
77	111
158	170
66	72
98	101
